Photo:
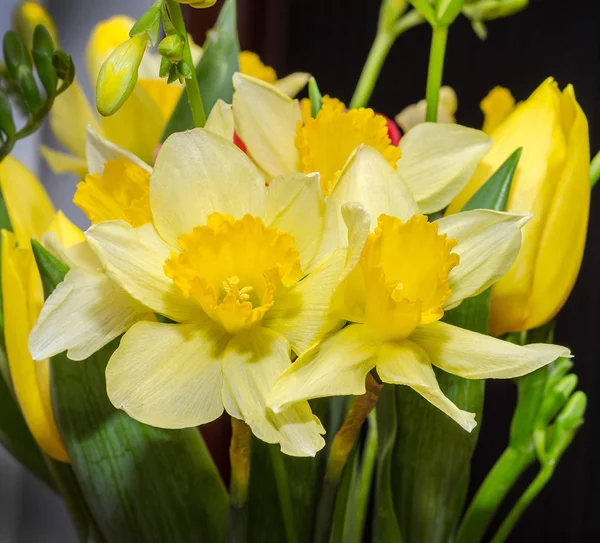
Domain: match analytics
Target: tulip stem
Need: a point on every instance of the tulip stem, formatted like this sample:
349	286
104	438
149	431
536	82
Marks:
343	443
191	84
239	456
435	71
382	44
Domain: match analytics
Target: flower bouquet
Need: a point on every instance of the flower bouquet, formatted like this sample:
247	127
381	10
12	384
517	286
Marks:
329	291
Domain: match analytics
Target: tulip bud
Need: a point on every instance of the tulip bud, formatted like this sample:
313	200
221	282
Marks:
552	183
198	3
172	47
118	75
26	16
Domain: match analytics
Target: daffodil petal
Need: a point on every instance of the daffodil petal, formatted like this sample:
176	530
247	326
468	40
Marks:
253	360
69	117
220	120
369	179
135	258
22	190
265	120
405	363
85	312
79	255
301	314
292	84
438	160
67	233
488	244
164	95
214	176
477	356
168	375
98	151
337	367
295	204
60	162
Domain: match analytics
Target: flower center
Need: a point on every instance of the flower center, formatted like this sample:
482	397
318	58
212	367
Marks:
121	192
233	268
405	266
326	142
250	64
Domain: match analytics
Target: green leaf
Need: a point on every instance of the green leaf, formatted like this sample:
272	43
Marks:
214	71
4	370
316	99
141	483
52	270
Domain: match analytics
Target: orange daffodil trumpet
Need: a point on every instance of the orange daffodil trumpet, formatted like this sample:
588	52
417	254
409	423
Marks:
552	182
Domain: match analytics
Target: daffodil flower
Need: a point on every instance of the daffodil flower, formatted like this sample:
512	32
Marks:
408	272
246	272
431	157
32	215
414	114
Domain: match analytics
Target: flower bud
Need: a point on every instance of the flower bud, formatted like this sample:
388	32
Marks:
198	3
488	10
172	47
42	52
118	75
26	16
7	123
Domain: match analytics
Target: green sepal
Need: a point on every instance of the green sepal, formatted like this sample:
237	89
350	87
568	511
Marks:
65	69
215	70
121	463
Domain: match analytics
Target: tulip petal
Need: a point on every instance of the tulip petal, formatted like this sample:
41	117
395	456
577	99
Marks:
135	258
85	312
214	176
253	360
405	363
367	178
98	151
60	162
265	120
337	367
496	106
168	375
292	84
220	120
477	356
438	160
29	208
488	244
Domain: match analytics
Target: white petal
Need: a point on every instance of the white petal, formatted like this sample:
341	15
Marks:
135	259
438	160
476	356
265	120
220	120
98	151
292	84
405	363
79	255
337	367
369	180
253	360
168	375
488	244
198	173
85	312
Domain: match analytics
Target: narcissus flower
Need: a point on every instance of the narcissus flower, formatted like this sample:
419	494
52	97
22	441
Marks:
414	114
281	138
32	215
247	278
408	272
552	182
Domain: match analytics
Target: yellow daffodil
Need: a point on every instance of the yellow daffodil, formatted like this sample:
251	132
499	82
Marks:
414	114
246	279
435	160
136	127
552	182
32	215
405	274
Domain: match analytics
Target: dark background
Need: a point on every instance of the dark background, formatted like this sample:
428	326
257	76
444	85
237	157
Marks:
331	39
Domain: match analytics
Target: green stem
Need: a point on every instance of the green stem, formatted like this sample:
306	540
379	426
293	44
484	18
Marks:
283	491
377	55
239	456
595	169
523	503
191	85
366	476
492	492
435	71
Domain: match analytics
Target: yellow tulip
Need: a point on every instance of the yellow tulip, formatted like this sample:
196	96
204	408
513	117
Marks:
31	215
552	182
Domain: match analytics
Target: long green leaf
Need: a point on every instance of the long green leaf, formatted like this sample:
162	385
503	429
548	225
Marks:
214	71
4	369
141	483
432	454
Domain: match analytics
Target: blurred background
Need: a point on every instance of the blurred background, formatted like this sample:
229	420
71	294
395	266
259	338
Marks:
331	39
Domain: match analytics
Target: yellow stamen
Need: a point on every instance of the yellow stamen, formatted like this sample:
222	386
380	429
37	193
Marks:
325	143
121	192
250	64
234	267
